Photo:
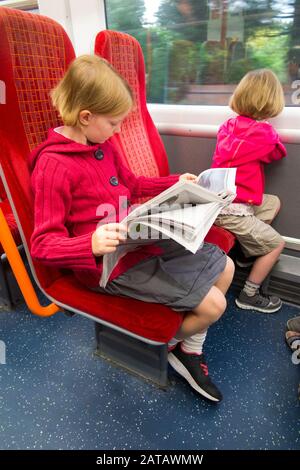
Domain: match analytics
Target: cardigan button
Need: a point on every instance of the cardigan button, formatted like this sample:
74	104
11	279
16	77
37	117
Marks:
114	181
99	155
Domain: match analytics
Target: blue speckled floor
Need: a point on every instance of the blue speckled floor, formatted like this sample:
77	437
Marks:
54	394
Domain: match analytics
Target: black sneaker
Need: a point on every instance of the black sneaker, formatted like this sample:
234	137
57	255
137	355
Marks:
194	369
260	302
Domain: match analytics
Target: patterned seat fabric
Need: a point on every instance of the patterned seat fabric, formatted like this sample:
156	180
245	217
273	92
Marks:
33	108
139	143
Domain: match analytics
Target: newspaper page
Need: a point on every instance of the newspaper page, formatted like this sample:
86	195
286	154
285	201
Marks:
184	212
218	180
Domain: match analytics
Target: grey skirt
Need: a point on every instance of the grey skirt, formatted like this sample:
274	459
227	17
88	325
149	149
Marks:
177	278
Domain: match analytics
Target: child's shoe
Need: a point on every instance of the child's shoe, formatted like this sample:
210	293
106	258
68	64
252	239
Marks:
293	324
260	302
194	369
293	340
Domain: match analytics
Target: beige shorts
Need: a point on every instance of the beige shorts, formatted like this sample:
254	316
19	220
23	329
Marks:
255	235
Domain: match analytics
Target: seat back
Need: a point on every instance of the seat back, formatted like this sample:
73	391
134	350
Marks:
139	143
35	52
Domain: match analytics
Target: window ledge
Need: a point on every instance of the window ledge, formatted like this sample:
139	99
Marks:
204	121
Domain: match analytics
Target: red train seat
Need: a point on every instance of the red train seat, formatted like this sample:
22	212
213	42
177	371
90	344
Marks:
35	53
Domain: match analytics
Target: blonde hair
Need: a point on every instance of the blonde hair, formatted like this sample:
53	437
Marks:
259	95
91	83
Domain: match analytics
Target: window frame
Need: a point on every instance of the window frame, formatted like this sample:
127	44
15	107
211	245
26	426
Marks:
180	120
204	120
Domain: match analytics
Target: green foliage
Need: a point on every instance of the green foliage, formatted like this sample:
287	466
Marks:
269	49
213	64
238	69
182	62
177	52
125	16
182	68
186	17
161	40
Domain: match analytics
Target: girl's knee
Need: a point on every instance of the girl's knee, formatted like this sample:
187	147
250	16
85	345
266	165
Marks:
217	307
229	267
212	306
227	275
280	246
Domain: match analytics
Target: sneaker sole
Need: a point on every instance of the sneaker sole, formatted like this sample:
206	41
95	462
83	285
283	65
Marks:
259	309
179	367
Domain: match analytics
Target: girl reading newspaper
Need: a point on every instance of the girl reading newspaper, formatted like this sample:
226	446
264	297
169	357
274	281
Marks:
74	172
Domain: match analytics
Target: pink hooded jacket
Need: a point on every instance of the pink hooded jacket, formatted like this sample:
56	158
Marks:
75	186
247	144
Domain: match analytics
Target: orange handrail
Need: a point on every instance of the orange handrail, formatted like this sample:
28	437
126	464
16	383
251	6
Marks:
21	274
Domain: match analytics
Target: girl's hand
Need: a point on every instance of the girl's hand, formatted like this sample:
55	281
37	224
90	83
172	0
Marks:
107	237
188	177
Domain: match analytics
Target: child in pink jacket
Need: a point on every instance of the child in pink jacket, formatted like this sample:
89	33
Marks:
248	142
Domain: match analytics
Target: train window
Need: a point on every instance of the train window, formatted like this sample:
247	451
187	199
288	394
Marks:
28	5
196	51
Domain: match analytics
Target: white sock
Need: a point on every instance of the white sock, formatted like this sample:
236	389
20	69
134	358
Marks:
194	344
250	288
173	342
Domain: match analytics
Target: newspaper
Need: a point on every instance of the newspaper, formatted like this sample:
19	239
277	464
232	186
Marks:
184	212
